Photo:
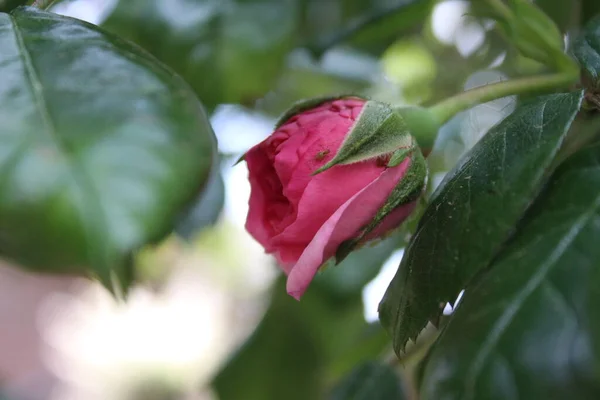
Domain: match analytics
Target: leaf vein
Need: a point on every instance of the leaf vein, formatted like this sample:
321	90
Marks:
514	306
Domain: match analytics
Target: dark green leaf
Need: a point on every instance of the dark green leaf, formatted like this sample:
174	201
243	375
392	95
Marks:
474	211
281	360
586	49
525	330
564	14
370	381
297	351
101	146
8	5
376	25
207	208
299	83
593	303
589	9
228	51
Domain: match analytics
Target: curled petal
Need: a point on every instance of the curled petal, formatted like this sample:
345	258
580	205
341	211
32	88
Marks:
344	224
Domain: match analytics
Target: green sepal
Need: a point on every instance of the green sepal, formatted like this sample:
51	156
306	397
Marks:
240	159
378	131
304	105
408	189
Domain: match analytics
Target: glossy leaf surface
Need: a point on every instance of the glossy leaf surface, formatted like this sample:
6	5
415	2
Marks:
370	381
474	211
528	328
101	146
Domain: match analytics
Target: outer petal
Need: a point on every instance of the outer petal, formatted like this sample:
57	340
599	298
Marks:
324	194
264	199
323	133
342	225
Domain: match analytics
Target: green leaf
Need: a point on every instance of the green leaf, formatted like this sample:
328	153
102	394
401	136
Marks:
297	350
587	51
8	5
101	146
298	83
370	381
375	25
474	211
525	330
589	9
564	14
228	51
533	33
281	359
207	208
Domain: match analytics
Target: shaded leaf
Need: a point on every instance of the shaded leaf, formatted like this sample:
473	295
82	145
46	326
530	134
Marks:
589	9
586	49
525	330
474	211
297	350
228	51
206	209
101	146
564	14
298	83
8	5
529	29
375	25
281	360
370	381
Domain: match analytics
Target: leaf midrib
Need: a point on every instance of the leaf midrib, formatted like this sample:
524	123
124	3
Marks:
94	213
514	306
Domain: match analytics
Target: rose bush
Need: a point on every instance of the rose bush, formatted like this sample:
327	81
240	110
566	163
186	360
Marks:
301	217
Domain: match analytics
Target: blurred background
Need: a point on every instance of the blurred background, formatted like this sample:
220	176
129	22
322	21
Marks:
210	318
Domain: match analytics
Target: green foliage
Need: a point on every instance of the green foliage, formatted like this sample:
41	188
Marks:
297	352
370	381
235	51
589	10
95	177
587	51
283	344
374	27
299	342
106	149
207	207
474	211
8	5
528	327
524	24
566	18
229	52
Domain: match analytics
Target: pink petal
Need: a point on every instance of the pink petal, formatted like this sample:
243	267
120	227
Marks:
344	224
324	194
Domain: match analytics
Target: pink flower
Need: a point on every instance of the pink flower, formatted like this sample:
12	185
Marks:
303	218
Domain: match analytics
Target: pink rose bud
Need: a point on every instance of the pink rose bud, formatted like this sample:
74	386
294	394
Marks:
335	174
